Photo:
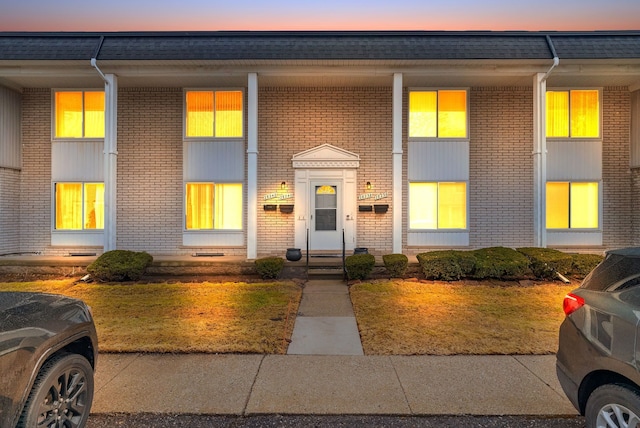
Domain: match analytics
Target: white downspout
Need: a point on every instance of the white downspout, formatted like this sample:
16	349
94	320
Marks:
110	151
540	149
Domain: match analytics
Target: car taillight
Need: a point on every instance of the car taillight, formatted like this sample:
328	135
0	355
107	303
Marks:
572	303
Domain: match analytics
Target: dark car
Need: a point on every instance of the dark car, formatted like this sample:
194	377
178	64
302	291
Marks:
48	351
597	359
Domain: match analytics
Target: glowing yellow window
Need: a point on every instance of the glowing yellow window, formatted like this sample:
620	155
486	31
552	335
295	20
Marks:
79	114
228	114
213	206
441	114
438	205
557	114
214	114
423	114
574	114
584	205
452	114
79	206
452	205
572	205
585	114
557	205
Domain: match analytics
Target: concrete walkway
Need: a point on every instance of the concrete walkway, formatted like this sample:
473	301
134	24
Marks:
326	324
325	385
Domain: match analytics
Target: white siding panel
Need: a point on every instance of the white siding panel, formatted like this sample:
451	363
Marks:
574	160
10	114
438	239
573	238
214	161
82	239
77	161
438	161
213	239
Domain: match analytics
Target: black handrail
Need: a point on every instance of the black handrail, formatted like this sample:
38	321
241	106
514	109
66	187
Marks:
307	254
344	257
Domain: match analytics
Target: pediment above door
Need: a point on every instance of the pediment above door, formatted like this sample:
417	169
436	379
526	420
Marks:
326	156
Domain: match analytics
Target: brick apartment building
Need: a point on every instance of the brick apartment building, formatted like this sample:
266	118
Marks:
248	143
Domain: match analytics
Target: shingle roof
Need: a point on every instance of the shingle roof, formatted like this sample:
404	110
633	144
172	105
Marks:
328	45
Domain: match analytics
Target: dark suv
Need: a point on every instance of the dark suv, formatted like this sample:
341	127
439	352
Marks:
48	351
597	359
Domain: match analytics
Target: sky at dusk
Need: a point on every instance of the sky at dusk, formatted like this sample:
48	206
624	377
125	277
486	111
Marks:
216	15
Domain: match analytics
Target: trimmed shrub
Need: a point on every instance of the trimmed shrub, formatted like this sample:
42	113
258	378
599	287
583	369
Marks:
500	262
447	265
396	264
120	265
269	267
545	262
360	266
584	263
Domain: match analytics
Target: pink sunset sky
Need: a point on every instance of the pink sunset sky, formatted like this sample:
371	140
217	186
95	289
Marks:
216	15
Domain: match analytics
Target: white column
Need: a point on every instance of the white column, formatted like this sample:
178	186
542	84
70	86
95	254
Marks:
110	160
252	166
539	160
397	162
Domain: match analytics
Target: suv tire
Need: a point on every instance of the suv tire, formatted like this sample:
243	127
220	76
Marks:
61	395
613	405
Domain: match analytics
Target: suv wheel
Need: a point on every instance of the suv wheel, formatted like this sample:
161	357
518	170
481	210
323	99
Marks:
612	406
61	395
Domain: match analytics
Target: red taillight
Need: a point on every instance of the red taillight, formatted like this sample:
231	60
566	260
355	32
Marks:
572	303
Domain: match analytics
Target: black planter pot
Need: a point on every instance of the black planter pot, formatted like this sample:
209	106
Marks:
293	254
361	250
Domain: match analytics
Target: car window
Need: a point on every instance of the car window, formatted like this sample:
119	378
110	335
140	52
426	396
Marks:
613	273
626	283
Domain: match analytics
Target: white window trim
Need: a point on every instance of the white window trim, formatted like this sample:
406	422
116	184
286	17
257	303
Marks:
212	231
56	139
430	89
600	115
53	209
576	229
438	230
213	138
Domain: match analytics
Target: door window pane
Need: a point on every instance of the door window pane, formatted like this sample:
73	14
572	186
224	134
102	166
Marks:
326	208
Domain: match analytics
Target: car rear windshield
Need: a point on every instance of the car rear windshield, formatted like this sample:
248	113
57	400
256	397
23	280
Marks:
616	272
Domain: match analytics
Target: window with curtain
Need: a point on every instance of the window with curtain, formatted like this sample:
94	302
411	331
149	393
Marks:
213	206
79	206
438	114
572	205
573	114
79	114
438	205
217	114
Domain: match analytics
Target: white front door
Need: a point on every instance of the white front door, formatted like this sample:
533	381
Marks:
325	209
